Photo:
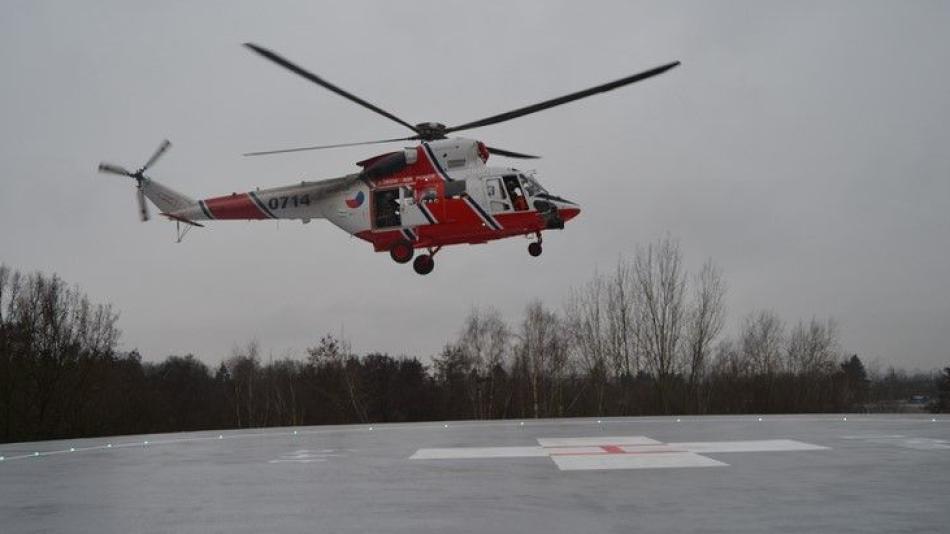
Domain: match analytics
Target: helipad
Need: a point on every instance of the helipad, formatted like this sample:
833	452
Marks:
618	452
711	474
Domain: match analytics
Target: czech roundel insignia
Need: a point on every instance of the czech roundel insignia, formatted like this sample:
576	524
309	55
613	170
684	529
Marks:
356	201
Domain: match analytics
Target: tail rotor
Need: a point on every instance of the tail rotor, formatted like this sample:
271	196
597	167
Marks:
138	176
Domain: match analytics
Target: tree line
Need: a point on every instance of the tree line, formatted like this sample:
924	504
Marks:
645	338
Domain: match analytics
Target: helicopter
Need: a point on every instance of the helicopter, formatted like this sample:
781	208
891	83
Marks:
438	193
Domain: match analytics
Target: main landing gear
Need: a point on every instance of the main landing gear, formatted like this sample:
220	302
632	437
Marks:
424	264
401	252
534	248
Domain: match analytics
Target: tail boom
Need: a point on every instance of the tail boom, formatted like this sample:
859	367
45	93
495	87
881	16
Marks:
306	200
165	198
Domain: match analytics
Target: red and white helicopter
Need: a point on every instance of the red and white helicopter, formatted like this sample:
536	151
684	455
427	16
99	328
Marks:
438	193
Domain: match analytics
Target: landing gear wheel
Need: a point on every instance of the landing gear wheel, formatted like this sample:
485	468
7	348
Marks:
534	249
401	252
423	264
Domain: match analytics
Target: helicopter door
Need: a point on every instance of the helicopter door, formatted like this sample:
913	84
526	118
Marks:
409	207
386	208
498	201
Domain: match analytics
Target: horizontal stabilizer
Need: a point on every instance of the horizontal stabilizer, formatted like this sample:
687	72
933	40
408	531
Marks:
182	220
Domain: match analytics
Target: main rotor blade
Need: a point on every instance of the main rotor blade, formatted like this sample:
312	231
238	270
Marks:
321	147
158	153
507	116
509	154
109	168
143	207
325	84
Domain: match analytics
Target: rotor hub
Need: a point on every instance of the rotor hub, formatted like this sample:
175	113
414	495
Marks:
430	131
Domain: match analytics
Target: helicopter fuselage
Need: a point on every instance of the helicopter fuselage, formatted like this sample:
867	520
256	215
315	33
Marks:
435	194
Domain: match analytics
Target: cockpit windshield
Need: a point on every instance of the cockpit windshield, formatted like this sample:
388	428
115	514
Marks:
531	186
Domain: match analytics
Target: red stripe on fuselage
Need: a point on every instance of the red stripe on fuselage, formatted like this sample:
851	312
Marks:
234	206
462	226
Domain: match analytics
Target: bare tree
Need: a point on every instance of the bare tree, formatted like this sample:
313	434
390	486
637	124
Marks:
558	362
942	404
727	361
813	349
52	342
586	321
485	341
620	312
336	353
244	367
10	374
812	356
706	317
761	343
660	311
545	351
453	371
282	378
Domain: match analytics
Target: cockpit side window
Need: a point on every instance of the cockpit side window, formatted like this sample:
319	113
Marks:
515	192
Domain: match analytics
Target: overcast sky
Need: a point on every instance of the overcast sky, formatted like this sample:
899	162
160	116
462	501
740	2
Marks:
805	147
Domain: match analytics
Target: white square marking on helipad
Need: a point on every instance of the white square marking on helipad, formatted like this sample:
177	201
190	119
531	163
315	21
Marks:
596	442
659	460
552	451
646	449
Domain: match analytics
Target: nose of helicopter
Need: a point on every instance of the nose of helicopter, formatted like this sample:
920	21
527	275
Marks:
566	209
569	210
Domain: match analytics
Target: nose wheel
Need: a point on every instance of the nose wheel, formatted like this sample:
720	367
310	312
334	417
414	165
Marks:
534	248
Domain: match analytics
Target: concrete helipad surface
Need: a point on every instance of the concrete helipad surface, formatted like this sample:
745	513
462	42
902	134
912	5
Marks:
704	474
